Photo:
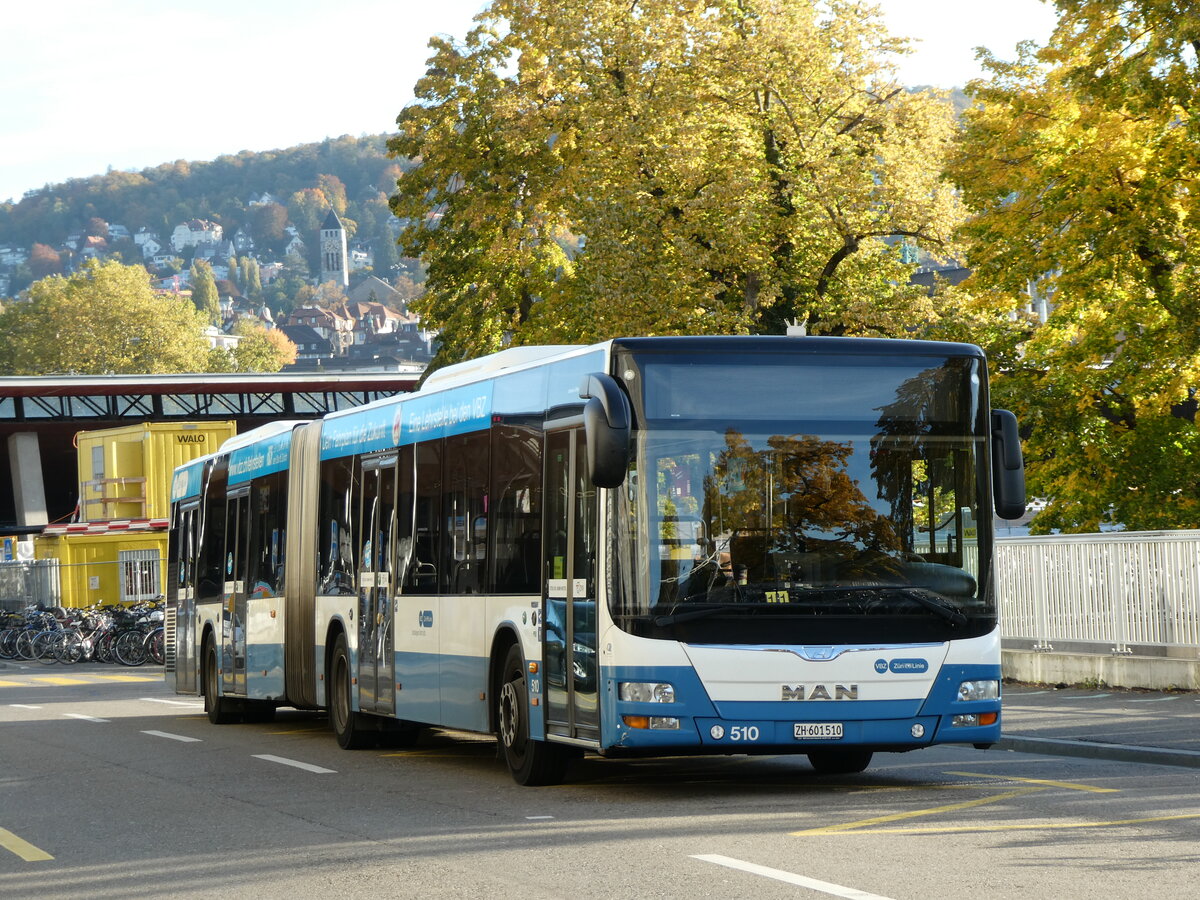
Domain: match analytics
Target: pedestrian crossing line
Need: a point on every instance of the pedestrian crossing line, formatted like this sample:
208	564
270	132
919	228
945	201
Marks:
897	817
22	847
1068	785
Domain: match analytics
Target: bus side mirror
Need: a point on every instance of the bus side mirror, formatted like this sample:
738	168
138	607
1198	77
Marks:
607	426
1008	469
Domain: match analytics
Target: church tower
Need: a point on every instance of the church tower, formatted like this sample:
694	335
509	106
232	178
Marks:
333	251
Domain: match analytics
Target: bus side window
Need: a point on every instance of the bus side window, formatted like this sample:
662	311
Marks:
516	508
334	525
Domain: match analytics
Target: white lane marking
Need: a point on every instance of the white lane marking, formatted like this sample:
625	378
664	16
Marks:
1150	699
1091	697
174	737
813	884
192	704
538	818
27	706
1029	693
307	767
85	718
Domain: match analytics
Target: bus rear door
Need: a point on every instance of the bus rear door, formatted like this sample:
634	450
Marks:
377	565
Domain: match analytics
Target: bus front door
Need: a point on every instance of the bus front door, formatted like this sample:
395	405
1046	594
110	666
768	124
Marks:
376	584
233	615
570	663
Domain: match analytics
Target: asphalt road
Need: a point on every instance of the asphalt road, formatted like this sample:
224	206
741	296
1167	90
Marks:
113	787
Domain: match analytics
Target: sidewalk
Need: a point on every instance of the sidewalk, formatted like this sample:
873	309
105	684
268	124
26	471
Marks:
1104	723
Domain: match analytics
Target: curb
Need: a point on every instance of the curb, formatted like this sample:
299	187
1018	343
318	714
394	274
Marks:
1098	750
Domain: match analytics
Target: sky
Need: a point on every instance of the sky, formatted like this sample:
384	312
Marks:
89	85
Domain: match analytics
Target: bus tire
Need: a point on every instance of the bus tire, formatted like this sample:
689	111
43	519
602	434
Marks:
220	709
839	762
349	727
531	762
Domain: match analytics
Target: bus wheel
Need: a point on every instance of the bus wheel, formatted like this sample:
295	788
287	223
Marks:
531	762
220	709
839	762
348	726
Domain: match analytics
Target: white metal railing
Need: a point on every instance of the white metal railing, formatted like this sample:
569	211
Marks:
1118	589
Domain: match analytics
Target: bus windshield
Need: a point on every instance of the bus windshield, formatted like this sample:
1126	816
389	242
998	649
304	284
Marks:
804	498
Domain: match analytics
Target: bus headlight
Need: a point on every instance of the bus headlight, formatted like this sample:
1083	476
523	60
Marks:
646	692
979	690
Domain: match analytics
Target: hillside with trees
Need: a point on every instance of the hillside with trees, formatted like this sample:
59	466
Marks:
352	175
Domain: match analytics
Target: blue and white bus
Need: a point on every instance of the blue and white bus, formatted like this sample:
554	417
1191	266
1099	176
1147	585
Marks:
650	546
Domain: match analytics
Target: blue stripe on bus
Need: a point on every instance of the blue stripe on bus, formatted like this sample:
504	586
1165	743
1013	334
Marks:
186	482
261	458
414	418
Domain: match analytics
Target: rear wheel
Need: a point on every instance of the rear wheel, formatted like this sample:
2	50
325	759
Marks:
531	762
839	762
349	727
220	709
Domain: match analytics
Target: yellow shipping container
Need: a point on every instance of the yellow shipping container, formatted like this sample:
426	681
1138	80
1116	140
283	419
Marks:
125	472
110	567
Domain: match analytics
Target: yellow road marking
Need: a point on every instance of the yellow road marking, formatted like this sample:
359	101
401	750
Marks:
1024	826
51	679
896	817
140	678
22	848
301	731
13	684
1068	785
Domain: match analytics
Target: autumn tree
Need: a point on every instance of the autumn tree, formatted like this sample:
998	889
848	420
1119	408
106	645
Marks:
204	292
668	166
44	260
258	350
104	319
1081	161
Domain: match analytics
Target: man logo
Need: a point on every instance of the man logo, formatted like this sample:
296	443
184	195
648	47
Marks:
818	692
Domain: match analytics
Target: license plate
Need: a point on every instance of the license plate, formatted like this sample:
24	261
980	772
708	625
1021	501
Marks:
817	731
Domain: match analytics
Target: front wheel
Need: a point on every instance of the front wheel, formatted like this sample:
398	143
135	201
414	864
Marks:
531	762
839	762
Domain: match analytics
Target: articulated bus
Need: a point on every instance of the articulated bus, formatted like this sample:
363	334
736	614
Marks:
650	546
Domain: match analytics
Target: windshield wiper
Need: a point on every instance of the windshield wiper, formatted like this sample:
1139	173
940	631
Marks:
699	612
935	603
883	592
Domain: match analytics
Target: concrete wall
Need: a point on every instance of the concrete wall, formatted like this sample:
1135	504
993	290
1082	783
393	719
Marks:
1151	673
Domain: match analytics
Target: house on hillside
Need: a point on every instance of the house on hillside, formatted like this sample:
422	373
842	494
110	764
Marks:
93	247
13	256
334	326
242	242
194	232
309	344
262	199
361	256
150	246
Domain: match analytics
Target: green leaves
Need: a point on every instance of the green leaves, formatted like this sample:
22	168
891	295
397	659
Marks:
1081	163
104	319
668	166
